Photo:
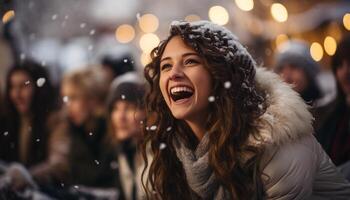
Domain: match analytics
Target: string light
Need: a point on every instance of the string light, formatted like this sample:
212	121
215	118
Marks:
125	33
279	12
218	15
316	51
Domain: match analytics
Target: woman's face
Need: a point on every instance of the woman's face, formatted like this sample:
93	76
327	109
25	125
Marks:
296	76
78	106
185	82
125	119
21	91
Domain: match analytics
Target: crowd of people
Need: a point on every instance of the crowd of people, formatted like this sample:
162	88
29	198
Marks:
107	132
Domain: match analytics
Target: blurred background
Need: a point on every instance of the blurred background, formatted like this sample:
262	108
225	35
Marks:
69	39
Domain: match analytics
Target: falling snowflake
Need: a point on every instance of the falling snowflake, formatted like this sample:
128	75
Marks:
227	84
76	187
27	82
141	122
91	47
97	163
92	32
90	133
62	184
153	128
65	99
22	56
123	96
43	63
168	129
125	60
147	128
162	146
138	16
54	17
66	17
37	140
211	99
82	25
114	165
6	133
260	106
40	82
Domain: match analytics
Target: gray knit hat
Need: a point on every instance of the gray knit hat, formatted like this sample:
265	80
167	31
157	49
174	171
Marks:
296	53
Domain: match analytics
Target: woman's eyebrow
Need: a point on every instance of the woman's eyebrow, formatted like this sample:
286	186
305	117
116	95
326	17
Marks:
190	54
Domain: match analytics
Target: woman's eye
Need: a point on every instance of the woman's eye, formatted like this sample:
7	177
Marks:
191	61
165	66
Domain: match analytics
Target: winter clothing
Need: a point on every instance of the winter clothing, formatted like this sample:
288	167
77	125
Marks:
294	164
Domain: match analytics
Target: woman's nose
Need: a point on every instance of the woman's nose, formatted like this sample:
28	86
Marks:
176	73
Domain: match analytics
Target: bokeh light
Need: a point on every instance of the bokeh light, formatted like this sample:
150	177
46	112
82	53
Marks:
218	15
148	41
125	33
330	45
148	23
279	12
316	51
8	16
281	39
346	21
245	5
145	58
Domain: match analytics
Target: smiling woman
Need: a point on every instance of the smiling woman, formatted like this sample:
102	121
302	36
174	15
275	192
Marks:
224	128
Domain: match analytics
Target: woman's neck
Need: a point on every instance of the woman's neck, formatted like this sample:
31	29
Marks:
197	128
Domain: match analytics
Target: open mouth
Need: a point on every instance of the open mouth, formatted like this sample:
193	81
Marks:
181	92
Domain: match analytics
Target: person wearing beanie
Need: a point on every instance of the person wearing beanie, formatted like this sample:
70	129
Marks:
125	107
296	66
333	120
223	128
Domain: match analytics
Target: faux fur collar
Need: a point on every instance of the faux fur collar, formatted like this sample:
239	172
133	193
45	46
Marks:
287	117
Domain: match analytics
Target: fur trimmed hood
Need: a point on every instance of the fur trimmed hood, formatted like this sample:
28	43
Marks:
287	117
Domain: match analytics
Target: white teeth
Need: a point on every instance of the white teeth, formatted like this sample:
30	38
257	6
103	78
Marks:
180	89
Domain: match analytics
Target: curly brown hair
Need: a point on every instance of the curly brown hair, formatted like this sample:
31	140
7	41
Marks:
231	122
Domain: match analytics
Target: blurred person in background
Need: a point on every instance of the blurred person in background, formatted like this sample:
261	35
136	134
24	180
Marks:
84	92
116	65
30	153
296	66
333	120
126	114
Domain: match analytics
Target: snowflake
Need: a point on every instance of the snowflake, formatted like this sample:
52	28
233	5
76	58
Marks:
66	17
227	84
38	140
138	16
27	82
92	32
76	187
90	133
65	99
91	47
114	165
153	128
125	60
22	56
6	133
43	63
162	146
123	96
82	25
40	82
54	17
211	99
168	129
97	163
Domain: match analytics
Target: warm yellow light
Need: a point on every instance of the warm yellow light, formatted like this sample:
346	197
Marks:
346	21
281	39
148	42
148	23
316	51
330	45
8	16
218	15
145	58
125	33
245	5
192	18
279	12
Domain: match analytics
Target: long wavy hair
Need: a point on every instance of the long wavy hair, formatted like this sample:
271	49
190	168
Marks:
43	103
231	122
